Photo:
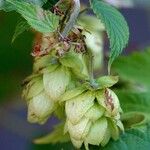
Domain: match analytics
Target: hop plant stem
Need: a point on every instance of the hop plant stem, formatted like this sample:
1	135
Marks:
91	69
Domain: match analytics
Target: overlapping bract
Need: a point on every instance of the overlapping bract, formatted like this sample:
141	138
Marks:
43	88
93	117
92	113
61	82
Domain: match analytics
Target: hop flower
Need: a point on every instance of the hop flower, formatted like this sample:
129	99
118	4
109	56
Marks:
44	87
92	110
40	106
50	79
93	116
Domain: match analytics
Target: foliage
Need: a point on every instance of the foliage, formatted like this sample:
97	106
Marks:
63	78
116	27
6	6
135	107
131	140
20	28
134	68
40	20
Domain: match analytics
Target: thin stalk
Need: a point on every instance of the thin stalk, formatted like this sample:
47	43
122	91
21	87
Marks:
91	70
92	80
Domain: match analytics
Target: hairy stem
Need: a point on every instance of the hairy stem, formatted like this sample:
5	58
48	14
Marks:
72	19
91	69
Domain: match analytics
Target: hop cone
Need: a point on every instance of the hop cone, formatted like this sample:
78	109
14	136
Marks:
93	117
43	89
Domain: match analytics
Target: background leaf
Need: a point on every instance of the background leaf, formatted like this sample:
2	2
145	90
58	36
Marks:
59	146
40	20
135	107
130	140
116	27
20	28
6	6
15	59
134	68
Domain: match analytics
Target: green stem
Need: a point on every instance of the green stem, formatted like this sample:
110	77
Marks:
91	70
91	74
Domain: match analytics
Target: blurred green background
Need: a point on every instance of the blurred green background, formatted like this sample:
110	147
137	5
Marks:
15	61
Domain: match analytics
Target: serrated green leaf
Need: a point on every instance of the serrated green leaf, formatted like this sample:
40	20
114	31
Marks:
6	6
135	107
135	68
130	140
116	27
41	20
20	28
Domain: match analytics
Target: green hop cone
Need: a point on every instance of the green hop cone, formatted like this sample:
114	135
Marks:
43	88
40	106
93	117
50	79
